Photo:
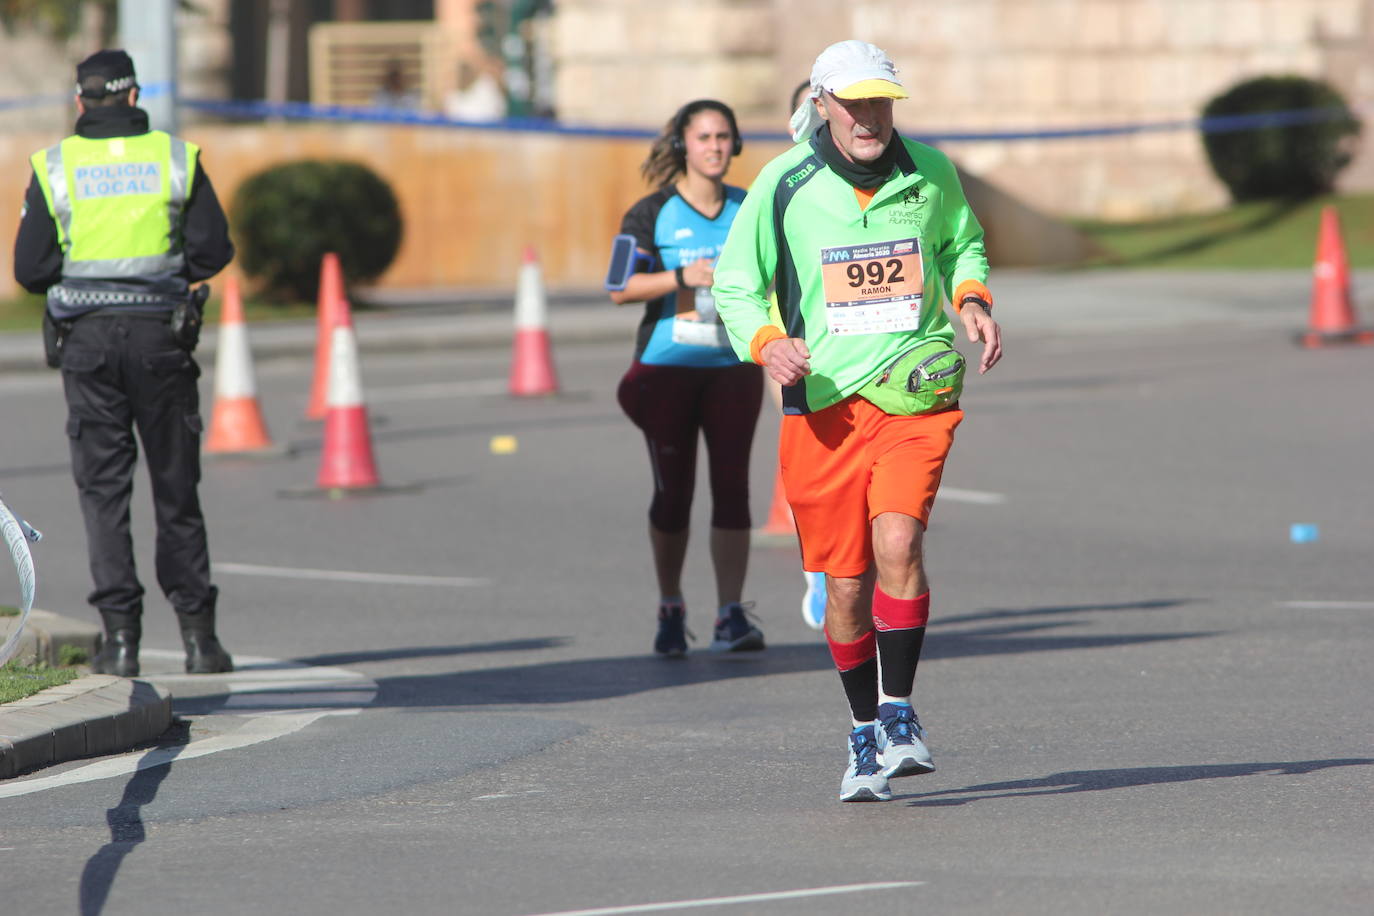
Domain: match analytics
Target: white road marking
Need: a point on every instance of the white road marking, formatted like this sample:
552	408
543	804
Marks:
743	898
1329	605
979	497
509	794
255	672
343	575
473	387
273	698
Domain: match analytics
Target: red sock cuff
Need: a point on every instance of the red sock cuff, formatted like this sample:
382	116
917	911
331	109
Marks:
850	655
899	613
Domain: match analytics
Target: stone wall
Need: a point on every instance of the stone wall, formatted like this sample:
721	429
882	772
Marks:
980	65
620	61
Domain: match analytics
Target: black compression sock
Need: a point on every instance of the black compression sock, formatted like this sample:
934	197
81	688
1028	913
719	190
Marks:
900	651
861	687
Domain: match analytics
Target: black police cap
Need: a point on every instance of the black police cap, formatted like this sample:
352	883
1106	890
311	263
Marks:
104	73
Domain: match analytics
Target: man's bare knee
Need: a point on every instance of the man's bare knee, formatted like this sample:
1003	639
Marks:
897	554
897	540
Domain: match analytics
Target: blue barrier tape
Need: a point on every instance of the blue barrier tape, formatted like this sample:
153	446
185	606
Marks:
36	101
303	111
1214	125
152	90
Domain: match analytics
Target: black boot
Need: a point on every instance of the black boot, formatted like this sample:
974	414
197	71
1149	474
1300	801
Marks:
204	654
118	650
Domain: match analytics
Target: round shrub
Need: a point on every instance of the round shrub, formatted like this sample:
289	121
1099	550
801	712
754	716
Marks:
287	217
1272	161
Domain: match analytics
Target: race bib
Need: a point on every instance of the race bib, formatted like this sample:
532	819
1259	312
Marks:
699	333
874	288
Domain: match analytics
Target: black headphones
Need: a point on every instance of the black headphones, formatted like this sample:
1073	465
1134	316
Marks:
684	114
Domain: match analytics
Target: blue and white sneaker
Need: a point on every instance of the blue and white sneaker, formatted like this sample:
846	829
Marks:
864	779
813	602
734	631
901	742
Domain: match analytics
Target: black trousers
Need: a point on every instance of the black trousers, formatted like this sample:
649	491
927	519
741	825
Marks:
123	373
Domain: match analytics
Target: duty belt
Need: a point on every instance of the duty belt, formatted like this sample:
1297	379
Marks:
102	298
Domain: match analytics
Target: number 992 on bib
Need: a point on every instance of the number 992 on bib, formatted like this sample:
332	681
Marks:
874	288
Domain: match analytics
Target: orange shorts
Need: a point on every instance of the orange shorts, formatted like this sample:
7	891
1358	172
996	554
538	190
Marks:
850	462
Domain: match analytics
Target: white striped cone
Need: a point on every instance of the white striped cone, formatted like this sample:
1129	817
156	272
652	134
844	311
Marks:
346	460
236	423
531	371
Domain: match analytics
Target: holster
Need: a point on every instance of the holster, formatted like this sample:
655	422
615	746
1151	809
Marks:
187	318
55	331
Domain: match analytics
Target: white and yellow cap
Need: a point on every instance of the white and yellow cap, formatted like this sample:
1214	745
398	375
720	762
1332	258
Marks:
850	69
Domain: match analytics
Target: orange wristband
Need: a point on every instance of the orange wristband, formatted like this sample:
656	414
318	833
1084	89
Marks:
762	337
971	288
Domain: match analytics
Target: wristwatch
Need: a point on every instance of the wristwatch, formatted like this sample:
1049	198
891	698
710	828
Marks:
987	306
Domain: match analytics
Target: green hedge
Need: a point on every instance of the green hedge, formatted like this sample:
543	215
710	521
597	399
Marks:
1297	161
287	217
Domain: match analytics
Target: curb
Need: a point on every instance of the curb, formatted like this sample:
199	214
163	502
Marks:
92	715
46	633
96	714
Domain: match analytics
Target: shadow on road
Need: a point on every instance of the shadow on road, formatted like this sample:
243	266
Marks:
576	680
1003	631
1009	631
1155	604
126	821
1098	780
385	655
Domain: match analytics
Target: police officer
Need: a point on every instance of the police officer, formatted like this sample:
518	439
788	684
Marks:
118	222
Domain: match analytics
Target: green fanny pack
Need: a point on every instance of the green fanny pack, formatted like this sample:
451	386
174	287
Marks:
924	379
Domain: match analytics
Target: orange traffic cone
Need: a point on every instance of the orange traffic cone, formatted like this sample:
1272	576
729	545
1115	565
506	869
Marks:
1332	318
236	424
328	304
779	513
531	371
346	461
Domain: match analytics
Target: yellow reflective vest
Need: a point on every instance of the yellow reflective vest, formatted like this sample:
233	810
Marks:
117	204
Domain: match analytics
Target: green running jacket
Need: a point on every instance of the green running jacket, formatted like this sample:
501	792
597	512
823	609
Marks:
859	285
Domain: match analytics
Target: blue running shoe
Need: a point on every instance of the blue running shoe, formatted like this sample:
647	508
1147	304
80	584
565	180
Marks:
864	779
813	602
671	640
901	742
735	632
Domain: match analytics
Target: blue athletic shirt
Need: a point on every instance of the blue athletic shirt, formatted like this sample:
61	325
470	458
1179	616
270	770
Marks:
677	234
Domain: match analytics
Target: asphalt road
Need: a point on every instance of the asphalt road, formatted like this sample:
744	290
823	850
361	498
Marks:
1142	696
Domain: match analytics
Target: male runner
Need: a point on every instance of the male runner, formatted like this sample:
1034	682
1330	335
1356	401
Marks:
823	219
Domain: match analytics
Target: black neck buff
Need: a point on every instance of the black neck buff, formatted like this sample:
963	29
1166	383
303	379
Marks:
860	174
107	121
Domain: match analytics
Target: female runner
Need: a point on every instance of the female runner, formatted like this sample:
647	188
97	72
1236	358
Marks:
685	379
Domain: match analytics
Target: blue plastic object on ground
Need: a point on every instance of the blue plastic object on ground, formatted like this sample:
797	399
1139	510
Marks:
1303	533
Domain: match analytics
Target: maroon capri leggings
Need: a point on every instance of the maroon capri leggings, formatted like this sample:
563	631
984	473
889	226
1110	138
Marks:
670	404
